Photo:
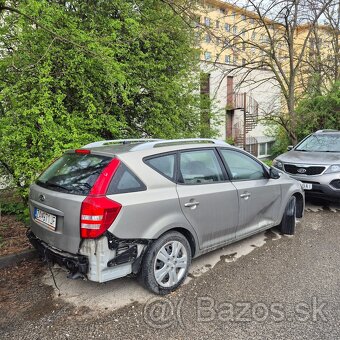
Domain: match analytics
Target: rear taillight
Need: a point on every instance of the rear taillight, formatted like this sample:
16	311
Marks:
97	211
97	214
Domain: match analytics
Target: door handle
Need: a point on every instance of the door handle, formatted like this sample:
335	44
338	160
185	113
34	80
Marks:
246	195
191	204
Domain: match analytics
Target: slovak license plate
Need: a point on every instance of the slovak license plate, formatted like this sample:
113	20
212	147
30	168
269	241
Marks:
307	186
45	218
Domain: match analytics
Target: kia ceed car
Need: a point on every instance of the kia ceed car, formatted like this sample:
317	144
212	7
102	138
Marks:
146	208
315	161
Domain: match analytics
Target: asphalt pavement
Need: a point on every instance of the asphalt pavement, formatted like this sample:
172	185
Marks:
268	287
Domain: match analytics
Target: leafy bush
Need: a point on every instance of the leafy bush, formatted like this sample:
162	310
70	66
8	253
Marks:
268	162
314	112
20	210
319	112
81	71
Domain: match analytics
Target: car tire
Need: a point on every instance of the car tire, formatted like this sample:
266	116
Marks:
287	225
165	264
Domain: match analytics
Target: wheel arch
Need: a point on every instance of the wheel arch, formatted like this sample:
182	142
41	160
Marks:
300	204
187	234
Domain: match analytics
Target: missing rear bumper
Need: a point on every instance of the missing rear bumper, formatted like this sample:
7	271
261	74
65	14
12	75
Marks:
76	264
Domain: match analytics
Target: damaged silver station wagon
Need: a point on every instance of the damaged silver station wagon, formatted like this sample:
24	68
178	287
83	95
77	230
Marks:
147	207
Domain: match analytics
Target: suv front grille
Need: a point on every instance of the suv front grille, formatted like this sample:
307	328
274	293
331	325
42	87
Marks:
304	170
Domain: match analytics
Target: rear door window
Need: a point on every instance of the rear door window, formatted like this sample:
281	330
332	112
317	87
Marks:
200	167
164	164
74	173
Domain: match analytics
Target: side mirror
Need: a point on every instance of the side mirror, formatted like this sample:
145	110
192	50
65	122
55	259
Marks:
273	173
290	147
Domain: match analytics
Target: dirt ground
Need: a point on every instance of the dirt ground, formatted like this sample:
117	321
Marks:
12	235
15	294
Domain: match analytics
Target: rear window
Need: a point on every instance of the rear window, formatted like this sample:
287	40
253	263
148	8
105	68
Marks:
74	173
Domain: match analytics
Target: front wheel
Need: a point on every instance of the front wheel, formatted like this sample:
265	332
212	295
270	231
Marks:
166	263
287	225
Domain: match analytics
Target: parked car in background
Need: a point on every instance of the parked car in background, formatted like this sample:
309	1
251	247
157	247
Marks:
315	161
146	208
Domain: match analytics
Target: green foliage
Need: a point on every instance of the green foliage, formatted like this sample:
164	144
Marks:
319	112
281	142
11	208
82	71
230	140
20	210
12	204
268	162
314	112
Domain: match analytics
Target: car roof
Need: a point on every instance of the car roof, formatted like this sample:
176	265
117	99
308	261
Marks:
152	147
327	132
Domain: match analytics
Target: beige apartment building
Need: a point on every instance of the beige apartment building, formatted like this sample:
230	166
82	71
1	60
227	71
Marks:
229	38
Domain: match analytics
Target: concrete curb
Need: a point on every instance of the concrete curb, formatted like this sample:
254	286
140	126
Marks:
14	259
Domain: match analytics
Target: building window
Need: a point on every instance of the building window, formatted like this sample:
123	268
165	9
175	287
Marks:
235	60
217	24
265	149
243	17
243	61
227	59
207	56
233	15
243	33
243	46
253	36
227	27
206	21
235	29
252	21
226	43
207	38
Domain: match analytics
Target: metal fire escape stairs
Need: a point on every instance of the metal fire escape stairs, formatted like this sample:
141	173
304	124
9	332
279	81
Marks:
250	108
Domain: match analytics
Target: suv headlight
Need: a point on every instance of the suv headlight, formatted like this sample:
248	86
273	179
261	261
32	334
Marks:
278	164
333	168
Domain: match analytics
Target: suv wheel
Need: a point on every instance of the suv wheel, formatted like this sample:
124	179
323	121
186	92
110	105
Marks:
287	225
166	263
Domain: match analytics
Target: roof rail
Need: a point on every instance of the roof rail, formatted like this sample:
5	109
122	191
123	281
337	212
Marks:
327	130
118	141
169	142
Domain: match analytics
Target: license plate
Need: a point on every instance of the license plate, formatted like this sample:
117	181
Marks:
307	186
45	218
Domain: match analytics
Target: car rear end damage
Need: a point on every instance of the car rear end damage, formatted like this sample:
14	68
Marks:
99	260
70	216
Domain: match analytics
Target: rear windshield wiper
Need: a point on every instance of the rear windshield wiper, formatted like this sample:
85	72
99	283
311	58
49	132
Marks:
54	185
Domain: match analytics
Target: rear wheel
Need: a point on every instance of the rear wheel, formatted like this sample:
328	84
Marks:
166	263
287	225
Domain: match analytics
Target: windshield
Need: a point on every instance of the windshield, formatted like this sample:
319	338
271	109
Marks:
322	143
74	173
